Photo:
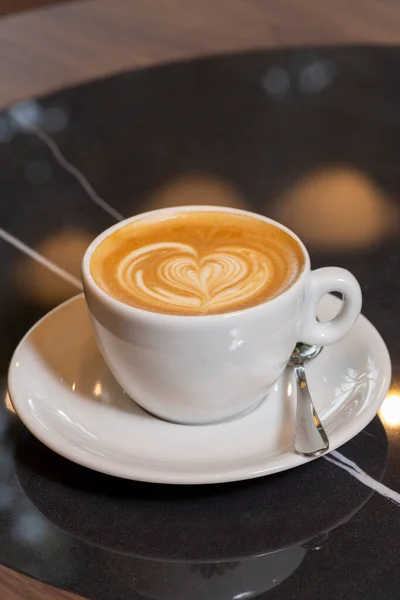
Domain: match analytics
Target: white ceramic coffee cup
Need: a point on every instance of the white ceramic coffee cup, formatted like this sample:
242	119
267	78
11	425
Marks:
205	369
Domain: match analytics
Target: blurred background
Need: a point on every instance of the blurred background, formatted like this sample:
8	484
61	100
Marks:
11	6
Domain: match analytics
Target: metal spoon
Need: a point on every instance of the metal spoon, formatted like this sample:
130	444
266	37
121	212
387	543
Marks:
310	438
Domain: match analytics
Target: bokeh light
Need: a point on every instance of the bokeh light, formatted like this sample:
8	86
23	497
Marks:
338	209
66	250
390	409
8	403
193	190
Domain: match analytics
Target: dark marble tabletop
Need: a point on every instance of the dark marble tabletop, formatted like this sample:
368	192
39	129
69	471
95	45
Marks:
309	137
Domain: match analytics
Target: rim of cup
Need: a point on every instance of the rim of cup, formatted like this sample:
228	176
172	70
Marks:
127	310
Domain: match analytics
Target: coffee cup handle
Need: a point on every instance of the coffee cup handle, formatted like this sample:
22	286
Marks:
321	282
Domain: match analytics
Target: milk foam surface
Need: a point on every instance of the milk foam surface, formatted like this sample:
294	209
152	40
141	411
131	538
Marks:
196	262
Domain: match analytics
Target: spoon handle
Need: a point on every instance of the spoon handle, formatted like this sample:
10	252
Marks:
310	438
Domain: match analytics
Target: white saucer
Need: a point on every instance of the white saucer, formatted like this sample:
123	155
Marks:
65	395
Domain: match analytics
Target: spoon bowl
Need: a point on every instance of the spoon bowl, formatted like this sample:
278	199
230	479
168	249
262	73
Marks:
310	438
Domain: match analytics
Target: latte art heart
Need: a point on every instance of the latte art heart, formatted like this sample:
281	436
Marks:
196	263
182	278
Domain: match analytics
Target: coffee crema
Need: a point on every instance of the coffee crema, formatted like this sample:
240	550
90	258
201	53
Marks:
196	262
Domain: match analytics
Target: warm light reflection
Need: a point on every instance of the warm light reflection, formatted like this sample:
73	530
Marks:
191	189
97	390
8	403
338	208
390	409
65	249
73	386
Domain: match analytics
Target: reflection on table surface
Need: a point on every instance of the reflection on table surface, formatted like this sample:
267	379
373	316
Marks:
41	500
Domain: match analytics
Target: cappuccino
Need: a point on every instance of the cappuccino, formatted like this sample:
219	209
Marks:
196	262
